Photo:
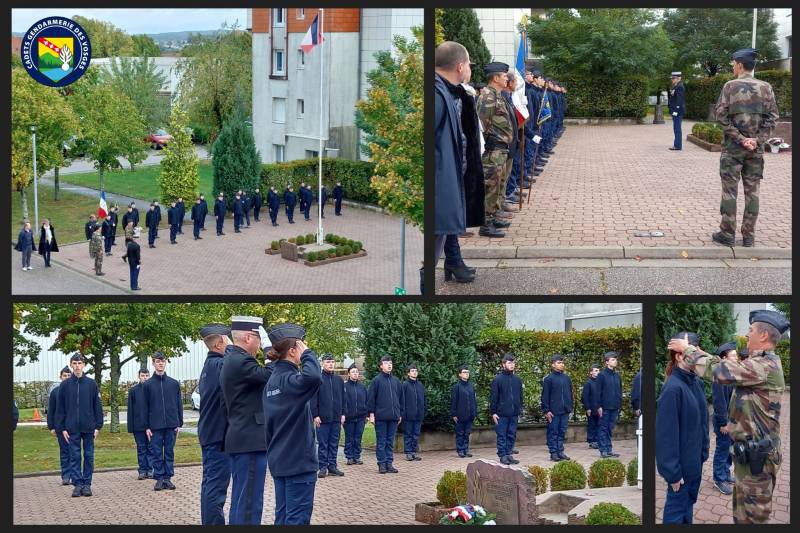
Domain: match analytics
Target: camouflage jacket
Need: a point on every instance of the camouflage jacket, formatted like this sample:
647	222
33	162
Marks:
746	108
498	126
755	406
95	245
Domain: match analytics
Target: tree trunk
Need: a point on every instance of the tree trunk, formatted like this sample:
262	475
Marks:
102	180
23	196
114	403
55	181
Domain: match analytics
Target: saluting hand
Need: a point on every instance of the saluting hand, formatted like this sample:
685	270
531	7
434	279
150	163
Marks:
679	345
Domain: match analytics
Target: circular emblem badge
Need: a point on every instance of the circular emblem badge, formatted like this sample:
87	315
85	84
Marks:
56	51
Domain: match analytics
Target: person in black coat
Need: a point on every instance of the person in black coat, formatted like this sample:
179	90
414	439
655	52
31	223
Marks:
52	409
338	194
323	200
164	408
79	419
238	213
114	220
151	223
385	405
14	415
590	402
676	101
302	194
133	257
247	204
327	409
414	408
181	207
557	404
129	217
609	393
288	427
274	202
197	219
203	212
242	381
309	200
25	245
219	213
158	214
173	219
88	228
721	399
355	415
211	427
463	409
47	241
107	231
289	200
636	394
505	404
134	214
137	424
258	201
681	437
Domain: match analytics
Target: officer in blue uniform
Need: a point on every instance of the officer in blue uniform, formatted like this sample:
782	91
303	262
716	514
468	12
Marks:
557	404
290	200
258	201
590	402
609	393
114	214
338	194
323	200
301	193
158	215
162	398
107	232
52	409
721	398
681	436
676	101
211	427
505	404
309	195
238	213
385	405
414	408
137	425
327	409
79	419
219	212
463	409
355	415
289	429
197	219
247	201
242	381
274	203
203	211
151	223
181	207
173	219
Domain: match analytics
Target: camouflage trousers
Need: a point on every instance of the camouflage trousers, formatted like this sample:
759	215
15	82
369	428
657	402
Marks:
98	262
750	167
752	495
496	167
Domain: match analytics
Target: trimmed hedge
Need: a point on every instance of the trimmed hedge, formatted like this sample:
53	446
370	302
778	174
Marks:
703	92
632	474
534	349
36	393
451	490
355	177
606	97
611	514
606	473
708	131
541	477
567	475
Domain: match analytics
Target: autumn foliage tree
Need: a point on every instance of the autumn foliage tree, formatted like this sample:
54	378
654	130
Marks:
180	168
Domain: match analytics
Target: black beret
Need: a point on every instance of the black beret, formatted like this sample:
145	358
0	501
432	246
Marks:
694	340
66	370
745	54
159	355
728	346
214	329
386	358
411	366
77	357
508	357
286	331
773	318
556	357
495	67
609	355
327	357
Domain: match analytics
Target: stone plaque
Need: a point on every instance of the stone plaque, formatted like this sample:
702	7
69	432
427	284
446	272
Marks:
503	490
289	251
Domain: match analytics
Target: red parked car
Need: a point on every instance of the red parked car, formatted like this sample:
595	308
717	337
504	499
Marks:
158	139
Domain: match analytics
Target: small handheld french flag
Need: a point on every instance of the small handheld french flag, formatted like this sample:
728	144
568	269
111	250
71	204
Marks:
102	210
313	36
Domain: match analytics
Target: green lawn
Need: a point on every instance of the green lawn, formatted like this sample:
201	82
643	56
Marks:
367	439
68	215
142	183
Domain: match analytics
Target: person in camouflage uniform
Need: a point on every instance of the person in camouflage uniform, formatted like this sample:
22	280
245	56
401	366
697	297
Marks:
754	410
747	110
498	133
96	250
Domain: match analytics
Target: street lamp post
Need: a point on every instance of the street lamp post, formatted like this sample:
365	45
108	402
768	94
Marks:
35	180
755	17
639	456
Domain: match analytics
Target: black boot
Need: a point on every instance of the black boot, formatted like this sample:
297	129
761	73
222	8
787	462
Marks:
748	242
722	239
462	274
489	230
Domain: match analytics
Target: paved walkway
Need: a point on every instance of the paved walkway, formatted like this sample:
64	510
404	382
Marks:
362	496
713	507
154	157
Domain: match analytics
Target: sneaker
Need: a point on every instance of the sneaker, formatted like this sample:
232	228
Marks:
500	223
555	457
513	461
358	461
409	457
86	490
350	461
490	230
468	454
159	485
76	491
462	454
613	454
505	460
323	472
724	487
391	469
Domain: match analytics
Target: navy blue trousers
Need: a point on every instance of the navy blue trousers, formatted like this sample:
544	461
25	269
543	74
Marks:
290	213
162	445
676	129
63	454
81	478
530	148
107	241
247	217
144	456
506	430
134	275
328	444
411	430
173	232
591	428
196	228
220	222
249	471
385	431
338	206
722	456
679	506
511	184
214	487
237	223
151	234
306	212
353	431
294	499
256	212
556	430
463	429
605	429
273	215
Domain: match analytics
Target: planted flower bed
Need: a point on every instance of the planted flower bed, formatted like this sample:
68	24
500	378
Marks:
304	247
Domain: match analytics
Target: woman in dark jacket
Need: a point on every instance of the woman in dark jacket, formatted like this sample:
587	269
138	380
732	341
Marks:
47	241
25	245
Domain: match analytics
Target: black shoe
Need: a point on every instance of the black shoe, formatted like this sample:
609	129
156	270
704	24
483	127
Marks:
323	472
136	289
335	472
593	445
221	233
142	476
462	274
100	273
76	491
417	457
468	454
462	455
612	454
151	246
724	487
515	450
674	149
723	239
159	485
86	490
490	231
409	457
391	469
196	238
168	485
747	242
149	475
65	481
563	456
381	469
173	242
513	461
499	223
505	460
555	457
471	270
350	462
358	461
291	222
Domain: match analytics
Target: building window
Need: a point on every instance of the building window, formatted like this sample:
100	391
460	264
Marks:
279	16
301	13
280	153
312	154
279	110
278	63
301	59
301	107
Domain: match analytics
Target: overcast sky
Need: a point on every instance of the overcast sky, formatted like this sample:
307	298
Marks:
135	21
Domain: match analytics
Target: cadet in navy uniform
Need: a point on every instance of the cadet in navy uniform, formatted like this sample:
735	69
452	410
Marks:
721	398
258	201
505	405
242	381
338	194
219	212
288	427
238	211
557	404
323	200
463	409
609	394
302	192
88	228
274	202
211	427
247	203
327	409
197	219
203	212
681	436
162	396
14	415
129	217
676	101
181	207
114	213
52	409
385	406
134	259
79	418
289	200
309	201
355	415
636	393
173	219
414	408
590	401
151	223
107	232
158	216
137	425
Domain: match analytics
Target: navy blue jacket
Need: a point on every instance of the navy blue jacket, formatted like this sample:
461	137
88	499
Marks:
676	99
173	216
137	409
385	397
52	408
79	408
721	397
135	216
181	207
463	402
158	214
273	200
14	416
238	207
258	200
636	391
338	192
25	240
355	401
589	396
197	212
204	207
219	208
88	229
213	418
289	430
506	397
328	402
151	219
557	394
681	427
128	217
324	195
163	404
290	199
107	229
609	389
414	405
242	381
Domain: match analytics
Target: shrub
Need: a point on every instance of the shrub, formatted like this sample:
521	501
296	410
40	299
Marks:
355	176
311	257
275	245
332	253
311	238
708	131
606	473
567	475
632	475
452	488
351	243
339	251
235	159
703	92
606	97
357	246
347	250
301	240
540	478
292	240
328	237
611	514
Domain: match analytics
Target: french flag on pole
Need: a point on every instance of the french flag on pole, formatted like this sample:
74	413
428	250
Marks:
313	36
102	210
518	97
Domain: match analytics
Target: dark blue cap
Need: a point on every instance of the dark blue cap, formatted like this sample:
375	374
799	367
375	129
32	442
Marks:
556	357
773	318
286	331
694	340
745	54
159	355
351	367
536	73
495	67
728	346
462	368
214	329
77	357
66	370
508	357
411	366
596	366
327	357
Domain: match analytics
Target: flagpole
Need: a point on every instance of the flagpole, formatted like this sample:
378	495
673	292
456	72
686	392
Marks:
320	239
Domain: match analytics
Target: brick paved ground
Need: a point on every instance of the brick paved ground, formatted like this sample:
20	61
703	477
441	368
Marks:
604	183
370	498
713	507
236	263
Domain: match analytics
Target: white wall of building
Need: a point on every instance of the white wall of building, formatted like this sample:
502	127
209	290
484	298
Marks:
499	28
166	66
784	19
572	316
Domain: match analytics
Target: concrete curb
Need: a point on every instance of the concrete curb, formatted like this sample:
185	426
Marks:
96	470
623	252
101	279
